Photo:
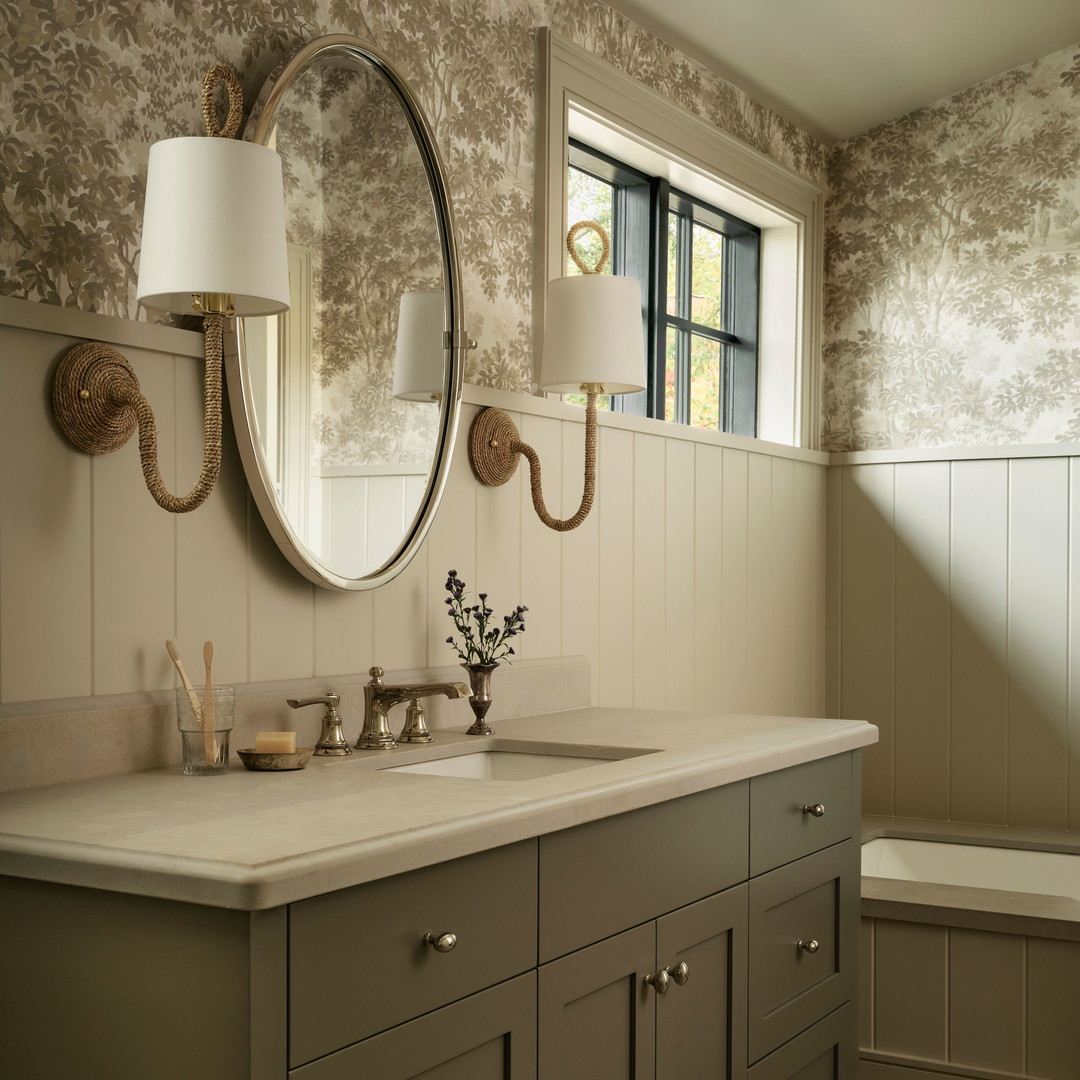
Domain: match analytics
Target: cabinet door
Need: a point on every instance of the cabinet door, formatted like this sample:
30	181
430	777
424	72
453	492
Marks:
596	1014
701	1023
489	1036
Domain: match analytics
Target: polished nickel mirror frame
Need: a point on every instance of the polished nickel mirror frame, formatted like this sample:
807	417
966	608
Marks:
258	129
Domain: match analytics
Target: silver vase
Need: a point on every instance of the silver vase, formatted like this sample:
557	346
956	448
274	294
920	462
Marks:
480	701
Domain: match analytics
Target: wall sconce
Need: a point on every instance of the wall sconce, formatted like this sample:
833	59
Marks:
213	243
420	359
592	345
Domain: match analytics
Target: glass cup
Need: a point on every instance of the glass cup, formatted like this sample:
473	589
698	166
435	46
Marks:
205	745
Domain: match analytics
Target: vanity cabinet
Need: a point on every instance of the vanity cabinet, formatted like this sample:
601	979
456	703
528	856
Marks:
766	960
560	946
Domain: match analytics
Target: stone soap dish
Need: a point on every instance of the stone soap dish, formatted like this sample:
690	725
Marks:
275	762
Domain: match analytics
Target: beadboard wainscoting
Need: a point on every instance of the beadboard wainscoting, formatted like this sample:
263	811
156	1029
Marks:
954	627
698	580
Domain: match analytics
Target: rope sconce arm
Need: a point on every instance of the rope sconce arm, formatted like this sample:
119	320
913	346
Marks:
494	447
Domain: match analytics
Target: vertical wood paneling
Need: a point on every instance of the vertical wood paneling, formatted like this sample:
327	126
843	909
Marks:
835	480
541	547
708	573
344	632
986	999
866	983
678	567
736	694
648	581
763	654
1074	646
806	554
135	540
820	566
616	576
1053	989
786	595
979	702
1038	645
921	741
450	545
579	579
910	988
281	611
211	564
45	533
866	607
401	615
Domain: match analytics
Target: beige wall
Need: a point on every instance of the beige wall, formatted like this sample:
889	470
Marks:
956	591
698	581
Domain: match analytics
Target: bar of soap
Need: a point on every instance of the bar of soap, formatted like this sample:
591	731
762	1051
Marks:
275	742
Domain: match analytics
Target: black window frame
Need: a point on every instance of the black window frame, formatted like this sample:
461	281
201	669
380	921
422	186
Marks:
640	212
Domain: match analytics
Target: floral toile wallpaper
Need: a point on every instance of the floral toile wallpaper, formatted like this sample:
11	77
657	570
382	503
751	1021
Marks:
358	206
94	82
952	311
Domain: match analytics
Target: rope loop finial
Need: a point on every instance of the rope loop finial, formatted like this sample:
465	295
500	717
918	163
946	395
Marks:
605	246
222	73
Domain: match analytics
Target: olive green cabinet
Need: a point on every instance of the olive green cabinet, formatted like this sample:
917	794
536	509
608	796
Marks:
707	936
488	1036
663	999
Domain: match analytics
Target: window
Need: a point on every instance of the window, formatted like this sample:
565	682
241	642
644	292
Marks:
644	142
698	267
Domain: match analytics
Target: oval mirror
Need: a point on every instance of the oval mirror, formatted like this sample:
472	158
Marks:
346	407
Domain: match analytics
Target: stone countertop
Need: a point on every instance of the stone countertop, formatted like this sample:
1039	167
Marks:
251	840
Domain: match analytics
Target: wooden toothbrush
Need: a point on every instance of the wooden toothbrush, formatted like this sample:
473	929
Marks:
196	708
208	714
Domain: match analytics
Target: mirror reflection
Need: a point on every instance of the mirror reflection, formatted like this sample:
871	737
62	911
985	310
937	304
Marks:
346	391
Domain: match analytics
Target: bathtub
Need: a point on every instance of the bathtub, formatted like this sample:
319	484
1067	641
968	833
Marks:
970	953
973	866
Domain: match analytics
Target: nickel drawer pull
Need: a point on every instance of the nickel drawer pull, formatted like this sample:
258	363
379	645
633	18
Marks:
680	972
814	809
442	942
810	946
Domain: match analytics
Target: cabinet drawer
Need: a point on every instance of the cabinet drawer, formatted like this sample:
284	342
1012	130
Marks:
825	1052
489	1036
603	877
358	963
781	831
814	901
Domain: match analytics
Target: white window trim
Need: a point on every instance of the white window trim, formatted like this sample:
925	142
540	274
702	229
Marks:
582	96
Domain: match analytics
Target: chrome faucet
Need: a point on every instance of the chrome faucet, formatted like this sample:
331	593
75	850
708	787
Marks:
379	699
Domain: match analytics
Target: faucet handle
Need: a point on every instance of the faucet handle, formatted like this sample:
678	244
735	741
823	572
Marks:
376	674
332	741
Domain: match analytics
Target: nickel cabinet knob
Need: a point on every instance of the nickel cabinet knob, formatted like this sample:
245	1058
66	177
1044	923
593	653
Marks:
659	982
442	942
810	946
814	809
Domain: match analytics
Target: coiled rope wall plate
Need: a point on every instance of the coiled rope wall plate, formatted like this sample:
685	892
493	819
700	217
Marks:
96	398
494	440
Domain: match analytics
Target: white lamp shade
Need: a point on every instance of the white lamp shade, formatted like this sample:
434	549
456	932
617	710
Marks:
214	222
593	334
420	362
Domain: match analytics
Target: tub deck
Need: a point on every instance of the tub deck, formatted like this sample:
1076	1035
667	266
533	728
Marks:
1003	909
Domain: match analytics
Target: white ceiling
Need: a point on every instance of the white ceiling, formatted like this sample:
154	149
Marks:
838	67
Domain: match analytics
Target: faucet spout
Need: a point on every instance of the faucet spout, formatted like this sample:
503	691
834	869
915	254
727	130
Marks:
379	699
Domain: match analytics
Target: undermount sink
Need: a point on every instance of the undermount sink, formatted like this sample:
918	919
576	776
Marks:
520	763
